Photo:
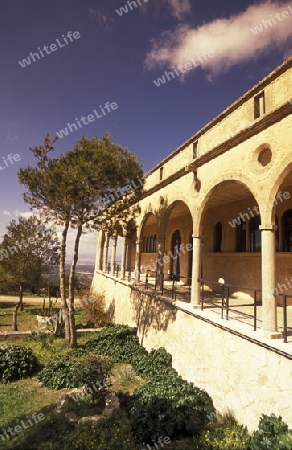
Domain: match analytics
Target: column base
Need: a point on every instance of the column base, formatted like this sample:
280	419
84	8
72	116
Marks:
271	334
196	306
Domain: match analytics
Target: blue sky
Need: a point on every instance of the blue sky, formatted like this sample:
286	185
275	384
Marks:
116	59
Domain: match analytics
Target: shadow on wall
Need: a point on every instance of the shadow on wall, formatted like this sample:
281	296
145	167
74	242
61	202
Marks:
151	313
110	312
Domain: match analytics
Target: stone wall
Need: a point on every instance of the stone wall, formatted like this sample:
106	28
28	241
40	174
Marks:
240	375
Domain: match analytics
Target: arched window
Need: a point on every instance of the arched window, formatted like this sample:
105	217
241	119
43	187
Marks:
175	251
151	240
147	244
255	234
277	234
218	237
241	236
287	230
144	244
155	244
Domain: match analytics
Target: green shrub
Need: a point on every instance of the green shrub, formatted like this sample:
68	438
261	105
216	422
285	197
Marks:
153	365
59	373
119	342
16	363
273	434
168	407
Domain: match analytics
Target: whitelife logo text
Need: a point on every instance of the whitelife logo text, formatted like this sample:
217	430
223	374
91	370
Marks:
90	118
53	47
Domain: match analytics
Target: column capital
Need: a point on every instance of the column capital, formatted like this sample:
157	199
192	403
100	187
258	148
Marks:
268	227
194	236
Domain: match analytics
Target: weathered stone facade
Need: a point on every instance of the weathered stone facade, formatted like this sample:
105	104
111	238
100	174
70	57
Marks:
220	206
243	375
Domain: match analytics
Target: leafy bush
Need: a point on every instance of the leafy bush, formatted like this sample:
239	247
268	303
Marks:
16	363
119	342
153	365
60	372
273	434
94	308
168	407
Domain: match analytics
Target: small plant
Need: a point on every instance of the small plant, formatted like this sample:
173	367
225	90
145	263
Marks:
224	434
16	363
41	336
94	307
92	372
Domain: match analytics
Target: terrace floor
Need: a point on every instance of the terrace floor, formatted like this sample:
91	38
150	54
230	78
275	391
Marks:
241	308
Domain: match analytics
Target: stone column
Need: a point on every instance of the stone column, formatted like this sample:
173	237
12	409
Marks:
105	252
269	305
114	252
137	261
101	249
98	250
196	272
124	254
160	262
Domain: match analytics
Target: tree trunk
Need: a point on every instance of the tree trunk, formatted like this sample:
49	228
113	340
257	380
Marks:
21	297
64	304
19	305
73	337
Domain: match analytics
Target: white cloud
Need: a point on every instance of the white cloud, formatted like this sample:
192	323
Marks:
231	39
6	213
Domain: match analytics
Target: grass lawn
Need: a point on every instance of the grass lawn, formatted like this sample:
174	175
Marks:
26	319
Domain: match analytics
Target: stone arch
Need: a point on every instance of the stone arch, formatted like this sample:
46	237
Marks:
143	222
148	230
211	191
284	175
178	220
226	204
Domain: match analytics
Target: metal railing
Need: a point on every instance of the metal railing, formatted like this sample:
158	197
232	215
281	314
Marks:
129	271
285	315
167	284
159	281
225	292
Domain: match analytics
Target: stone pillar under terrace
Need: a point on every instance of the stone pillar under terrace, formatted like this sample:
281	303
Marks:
114	252
196	273
124	255
160	263
98	251
105	252
269	305
137	261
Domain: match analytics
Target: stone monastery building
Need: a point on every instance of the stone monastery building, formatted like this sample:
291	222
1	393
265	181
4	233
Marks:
219	207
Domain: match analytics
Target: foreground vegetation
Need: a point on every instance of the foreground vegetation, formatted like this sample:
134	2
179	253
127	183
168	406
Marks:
155	401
